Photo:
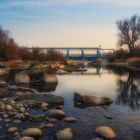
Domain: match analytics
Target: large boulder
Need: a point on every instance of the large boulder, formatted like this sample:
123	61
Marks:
33	132
65	134
22	78
91	100
50	78
106	132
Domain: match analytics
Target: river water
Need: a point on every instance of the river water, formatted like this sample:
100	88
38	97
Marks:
120	84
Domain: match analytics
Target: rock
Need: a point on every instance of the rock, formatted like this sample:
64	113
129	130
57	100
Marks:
22	109
12	129
41	126
25	65
22	90
105	131
16	121
62	66
70	119
9	107
49	125
91	100
61	71
26	138
52	120
50	78
108	116
5	116
39	117
60	107
2	84
65	134
20	116
33	132
22	78
53	99
56	113
6	120
97	139
44	106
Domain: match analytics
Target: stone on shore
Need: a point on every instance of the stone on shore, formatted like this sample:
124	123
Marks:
70	119
56	113
33	132
9	108
2	84
44	104
49	125
65	134
26	138
92	100
12	129
105	131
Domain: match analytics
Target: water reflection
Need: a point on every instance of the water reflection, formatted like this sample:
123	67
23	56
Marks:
128	89
43	87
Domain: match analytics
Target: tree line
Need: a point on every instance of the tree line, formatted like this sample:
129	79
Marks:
128	36
10	50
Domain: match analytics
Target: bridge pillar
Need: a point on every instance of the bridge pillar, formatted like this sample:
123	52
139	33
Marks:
67	55
82	53
98	52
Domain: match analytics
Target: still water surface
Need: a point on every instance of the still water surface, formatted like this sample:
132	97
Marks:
120	84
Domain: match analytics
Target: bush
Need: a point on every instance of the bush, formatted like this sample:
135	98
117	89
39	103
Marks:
118	54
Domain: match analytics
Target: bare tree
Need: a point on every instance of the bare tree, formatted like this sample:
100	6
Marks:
11	51
25	54
4	38
129	32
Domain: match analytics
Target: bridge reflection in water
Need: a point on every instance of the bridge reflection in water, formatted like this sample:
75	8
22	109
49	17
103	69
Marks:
80	53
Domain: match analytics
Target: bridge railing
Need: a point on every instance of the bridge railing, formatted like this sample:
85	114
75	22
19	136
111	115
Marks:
95	52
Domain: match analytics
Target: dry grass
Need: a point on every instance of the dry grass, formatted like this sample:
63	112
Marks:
11	64
135	59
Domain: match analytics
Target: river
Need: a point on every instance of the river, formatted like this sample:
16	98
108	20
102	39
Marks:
121	84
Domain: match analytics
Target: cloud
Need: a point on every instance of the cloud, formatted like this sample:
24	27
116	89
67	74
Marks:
44	3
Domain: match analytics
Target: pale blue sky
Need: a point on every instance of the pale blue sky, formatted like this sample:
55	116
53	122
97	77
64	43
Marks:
65	23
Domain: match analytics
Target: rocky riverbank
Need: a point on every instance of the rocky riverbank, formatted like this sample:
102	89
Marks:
18	103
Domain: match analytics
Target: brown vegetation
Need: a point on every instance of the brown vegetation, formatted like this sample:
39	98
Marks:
10	50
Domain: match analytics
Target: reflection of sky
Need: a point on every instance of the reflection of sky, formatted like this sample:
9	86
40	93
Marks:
92	85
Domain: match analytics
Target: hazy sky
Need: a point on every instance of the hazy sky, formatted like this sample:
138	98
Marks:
65	23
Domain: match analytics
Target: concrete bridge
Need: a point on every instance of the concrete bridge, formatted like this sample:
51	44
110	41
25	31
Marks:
87	53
